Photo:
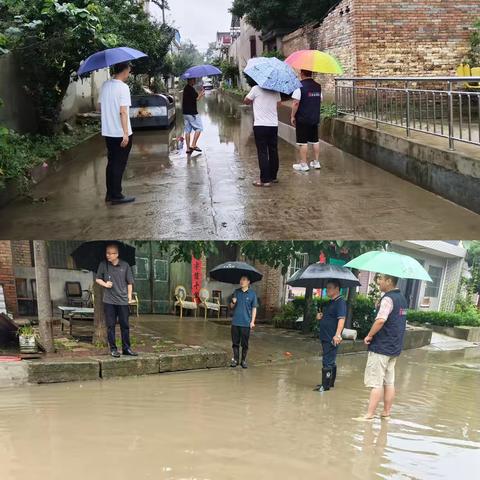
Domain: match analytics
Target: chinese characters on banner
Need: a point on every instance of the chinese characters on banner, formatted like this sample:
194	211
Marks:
196	277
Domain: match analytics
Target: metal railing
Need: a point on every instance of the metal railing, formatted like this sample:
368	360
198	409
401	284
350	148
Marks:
447	107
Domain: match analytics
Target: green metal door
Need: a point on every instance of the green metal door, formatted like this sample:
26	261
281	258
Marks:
152	278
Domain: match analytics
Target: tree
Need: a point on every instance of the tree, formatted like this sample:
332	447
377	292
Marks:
50	38
473	260
44	300
281	14
187	56
211	55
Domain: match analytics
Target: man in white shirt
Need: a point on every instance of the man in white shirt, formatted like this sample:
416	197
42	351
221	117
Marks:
265	129
115	102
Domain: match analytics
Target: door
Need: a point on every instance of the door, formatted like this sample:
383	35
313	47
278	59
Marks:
151	274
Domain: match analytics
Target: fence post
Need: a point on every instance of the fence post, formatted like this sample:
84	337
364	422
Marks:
451	142
336	97
376	105
354	100
408	108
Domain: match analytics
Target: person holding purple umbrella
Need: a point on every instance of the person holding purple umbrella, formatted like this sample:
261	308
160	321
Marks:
192	121
114	104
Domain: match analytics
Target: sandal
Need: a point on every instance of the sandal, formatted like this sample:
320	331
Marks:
196	149
189	151
261	184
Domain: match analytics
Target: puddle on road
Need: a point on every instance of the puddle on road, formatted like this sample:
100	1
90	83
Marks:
265	422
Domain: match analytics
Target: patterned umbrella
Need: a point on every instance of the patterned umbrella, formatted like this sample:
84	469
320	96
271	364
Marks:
272	74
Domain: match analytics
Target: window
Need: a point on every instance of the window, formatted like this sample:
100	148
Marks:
59	254
433	288
21	287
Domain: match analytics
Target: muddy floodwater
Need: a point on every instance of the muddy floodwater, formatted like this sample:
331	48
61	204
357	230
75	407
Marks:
260	423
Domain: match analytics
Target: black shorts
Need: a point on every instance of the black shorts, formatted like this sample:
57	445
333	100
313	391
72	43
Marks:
306	133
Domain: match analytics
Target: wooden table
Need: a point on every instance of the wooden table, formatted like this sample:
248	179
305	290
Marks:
76	314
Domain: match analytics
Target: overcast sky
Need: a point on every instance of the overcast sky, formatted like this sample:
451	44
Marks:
199	20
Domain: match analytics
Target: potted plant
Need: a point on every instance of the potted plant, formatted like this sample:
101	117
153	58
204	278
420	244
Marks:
27	339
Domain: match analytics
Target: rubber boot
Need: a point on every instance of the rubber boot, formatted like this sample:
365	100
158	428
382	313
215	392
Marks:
334	376
326	380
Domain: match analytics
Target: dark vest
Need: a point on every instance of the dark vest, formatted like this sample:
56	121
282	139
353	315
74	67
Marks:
389	340
309	108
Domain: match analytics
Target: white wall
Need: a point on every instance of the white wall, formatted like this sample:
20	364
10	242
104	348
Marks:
58	277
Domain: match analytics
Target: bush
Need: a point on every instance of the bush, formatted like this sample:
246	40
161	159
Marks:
328	110
287	316
363	315
445	319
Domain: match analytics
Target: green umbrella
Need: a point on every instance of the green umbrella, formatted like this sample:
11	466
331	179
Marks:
390	263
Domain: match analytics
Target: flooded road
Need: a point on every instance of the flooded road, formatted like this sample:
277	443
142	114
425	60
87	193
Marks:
210	195
265	423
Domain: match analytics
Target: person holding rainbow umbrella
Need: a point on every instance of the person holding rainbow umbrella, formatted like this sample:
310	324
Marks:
305	115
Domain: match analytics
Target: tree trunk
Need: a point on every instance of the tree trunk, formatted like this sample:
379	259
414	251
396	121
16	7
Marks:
352	295
307	310
44	301
100	329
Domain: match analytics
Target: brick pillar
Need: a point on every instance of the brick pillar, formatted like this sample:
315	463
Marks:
7	276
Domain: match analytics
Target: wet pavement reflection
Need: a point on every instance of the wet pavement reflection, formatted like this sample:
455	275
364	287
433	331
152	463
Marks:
210	195
265	422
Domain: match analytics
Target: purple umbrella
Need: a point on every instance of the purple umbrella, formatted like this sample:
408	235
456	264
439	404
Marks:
107	58
201	71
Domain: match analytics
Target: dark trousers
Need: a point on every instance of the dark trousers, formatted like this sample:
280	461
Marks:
329	355
266	139
240	336
112	314
117	162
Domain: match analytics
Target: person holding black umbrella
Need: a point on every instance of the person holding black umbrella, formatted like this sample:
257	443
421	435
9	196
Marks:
332	321
116	277
244	305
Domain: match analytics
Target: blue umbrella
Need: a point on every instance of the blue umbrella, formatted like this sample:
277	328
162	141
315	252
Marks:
272	74
107	58
200	71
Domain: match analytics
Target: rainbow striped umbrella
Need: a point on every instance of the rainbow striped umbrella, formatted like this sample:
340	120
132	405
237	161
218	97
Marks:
315	61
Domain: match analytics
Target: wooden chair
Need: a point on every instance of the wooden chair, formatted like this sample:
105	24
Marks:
224	307
135	305
214	305
183	302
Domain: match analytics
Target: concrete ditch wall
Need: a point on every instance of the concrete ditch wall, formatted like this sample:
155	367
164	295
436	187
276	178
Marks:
470	334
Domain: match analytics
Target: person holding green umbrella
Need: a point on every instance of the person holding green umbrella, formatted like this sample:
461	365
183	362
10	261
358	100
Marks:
385	338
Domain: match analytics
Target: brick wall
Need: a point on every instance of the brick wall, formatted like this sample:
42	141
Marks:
269	290
7	277
398	37
22	253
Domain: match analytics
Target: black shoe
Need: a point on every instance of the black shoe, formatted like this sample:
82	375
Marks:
130	352
115	354
118	201
244	364
233	363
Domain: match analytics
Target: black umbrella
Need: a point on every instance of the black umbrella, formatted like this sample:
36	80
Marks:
89	254
318	274
232	272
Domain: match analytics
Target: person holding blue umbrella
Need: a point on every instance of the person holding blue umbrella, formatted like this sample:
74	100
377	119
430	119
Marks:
268	77
114	104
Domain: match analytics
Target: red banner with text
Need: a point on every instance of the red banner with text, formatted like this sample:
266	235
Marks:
196	276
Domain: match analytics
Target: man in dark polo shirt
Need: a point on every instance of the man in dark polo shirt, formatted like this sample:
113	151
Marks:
305	118
332	321
115	276
191	119
385	343
244	305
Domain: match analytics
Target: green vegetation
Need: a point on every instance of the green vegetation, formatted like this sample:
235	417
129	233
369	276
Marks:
281	14
473	56
27	331
445	319
328	110
20	153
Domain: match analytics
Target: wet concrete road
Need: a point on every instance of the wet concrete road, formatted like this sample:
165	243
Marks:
265	423
210	195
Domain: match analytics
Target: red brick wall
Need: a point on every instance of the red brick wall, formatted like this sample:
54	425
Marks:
22	253
7	277
398	37
269	290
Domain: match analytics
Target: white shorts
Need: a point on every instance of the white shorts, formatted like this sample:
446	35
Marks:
192	122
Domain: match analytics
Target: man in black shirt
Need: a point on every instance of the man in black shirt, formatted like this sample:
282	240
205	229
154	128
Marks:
192	120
